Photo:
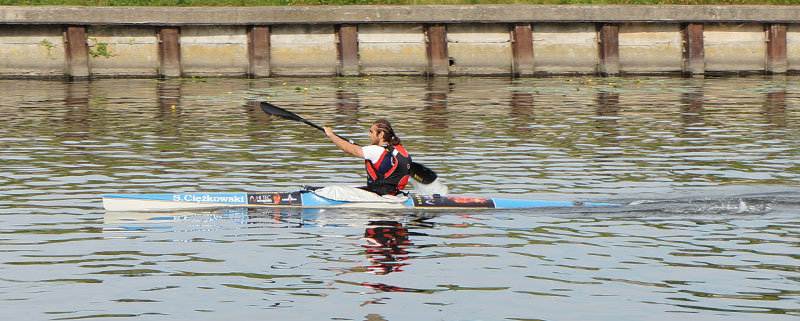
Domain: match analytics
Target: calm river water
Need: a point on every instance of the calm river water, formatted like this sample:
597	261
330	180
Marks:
708	171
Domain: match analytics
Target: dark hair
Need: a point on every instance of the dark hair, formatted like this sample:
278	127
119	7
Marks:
384	126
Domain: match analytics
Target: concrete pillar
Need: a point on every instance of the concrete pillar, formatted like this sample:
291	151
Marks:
522	50
258	51
776	49
169	51
438	59
347	49
77	51
608	39
694	61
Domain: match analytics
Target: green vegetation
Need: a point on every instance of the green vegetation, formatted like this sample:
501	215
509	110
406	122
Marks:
99	49
49	45
224	3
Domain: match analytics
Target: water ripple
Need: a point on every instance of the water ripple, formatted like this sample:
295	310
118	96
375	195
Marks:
707	170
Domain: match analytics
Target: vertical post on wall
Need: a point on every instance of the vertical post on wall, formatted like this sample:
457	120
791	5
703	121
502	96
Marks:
438	59
77	51
347	48
169	52
258	51
522	50
694	61
609	49
776	49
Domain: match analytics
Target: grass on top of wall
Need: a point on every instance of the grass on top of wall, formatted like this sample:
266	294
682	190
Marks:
227	3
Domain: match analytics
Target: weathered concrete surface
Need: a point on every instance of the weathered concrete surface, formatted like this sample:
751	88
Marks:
130	50
479	49
793	47
394	14
32	51
221	50
392	49
650	48
740	47
565	48
303	50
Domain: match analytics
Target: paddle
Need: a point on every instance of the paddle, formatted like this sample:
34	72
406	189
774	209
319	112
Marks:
418	171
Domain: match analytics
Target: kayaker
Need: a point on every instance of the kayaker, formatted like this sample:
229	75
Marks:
386	160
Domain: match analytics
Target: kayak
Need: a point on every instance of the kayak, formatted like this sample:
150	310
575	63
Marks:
309	199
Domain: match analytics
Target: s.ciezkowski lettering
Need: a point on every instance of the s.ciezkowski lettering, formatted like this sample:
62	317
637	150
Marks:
206	198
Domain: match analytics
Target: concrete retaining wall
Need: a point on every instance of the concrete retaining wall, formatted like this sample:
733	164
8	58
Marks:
565	48
650	48
392	49
130	50
517	40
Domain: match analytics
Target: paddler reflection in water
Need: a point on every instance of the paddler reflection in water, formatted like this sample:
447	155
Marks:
386	248
387	162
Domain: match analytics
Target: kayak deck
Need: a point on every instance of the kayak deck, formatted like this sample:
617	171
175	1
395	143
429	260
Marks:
180	201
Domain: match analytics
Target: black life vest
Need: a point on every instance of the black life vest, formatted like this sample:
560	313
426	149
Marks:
390	174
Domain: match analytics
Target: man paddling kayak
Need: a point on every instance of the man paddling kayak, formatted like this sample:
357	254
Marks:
386	160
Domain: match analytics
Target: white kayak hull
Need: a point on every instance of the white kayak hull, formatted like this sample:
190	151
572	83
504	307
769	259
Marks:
189	201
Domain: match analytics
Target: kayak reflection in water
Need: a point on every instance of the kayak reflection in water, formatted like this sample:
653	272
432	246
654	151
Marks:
387	246
386	160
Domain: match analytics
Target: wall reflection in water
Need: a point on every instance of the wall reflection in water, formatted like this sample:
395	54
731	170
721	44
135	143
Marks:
607	112
347	106
78	114
775	108
521	112
345	103
436	114
484	132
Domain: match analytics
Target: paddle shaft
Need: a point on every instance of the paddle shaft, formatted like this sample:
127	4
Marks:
323	130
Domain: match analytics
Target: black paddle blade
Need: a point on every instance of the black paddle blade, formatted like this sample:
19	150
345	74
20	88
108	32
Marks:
422	174
280	112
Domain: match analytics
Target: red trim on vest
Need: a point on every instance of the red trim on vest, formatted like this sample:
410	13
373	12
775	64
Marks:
401	149
373	172
370	169
390	171
403	183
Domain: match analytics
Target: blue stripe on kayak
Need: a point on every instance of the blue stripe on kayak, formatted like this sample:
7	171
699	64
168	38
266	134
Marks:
225	198
514	203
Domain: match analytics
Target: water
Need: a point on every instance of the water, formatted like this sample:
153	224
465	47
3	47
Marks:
708	170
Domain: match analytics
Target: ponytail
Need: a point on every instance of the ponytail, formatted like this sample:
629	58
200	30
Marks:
388	133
